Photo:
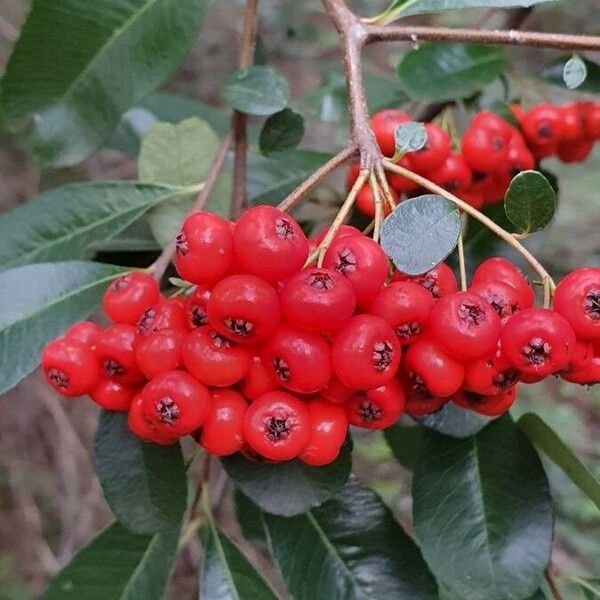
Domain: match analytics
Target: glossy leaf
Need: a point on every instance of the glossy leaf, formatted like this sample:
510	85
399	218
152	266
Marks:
118	565
78	66
291	487
439	72
554	73
282	131
410	137
455	421
63	223
530	201
249	517
420	233
39	302
487	498
349	548
547	440
405	442
257	91
574	72
144	484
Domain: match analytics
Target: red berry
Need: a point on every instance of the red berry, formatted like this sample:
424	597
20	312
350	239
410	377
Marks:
159	352
175	403
269	243
343	231
115	352
519	156
490	376
112	395
402	184
542	151
384	124
577	299
590	113
277	426
572	126
484	150
439	281
167	314
588	375
501	269
581	359
436	150
419	400
491	406
490	120
378	408
365	201
503	298
335	391
575	152
542	125
222	430
142	427
328	428
352	175
365	353
213	359
204	250
244	308
196	307
259	379
84	332
70	367
318	300
300	360
129	296
538	341
453	175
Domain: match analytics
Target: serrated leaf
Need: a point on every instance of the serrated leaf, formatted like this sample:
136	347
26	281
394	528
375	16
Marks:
282	131
554	73
63	223
548	441
291	487
530	201
144	484
410	137
420	233
438	72
350	547
574	72
486	497
257	91
39	302
78	66
455	421
405	442
118	565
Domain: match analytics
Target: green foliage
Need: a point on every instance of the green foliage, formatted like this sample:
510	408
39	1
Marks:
555	73
493	490
144	484
420	233
455	421
118	565
79	66
282	131
249	517
438	72
406	443
574	72
410	137
38	302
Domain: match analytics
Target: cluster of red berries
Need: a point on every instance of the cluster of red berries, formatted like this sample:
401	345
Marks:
492	151
274	358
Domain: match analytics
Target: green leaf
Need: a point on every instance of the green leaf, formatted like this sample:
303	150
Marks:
487	498
502	109
249	517
118	565
144	484
350	547
291	487
554	73
455	421
282	131
63	223
38	303
405	442
530	201
78	66
420	233
590	588
439	72
574	72
542	436
257	91
403	8
410	137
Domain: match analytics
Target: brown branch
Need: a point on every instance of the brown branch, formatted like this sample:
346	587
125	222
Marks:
549	575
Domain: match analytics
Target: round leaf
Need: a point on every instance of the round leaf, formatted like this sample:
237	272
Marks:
144	484
574	72
410	137
257	91
420	233
486	497
291	487
439	72
282	131
554	73
455	421
530	201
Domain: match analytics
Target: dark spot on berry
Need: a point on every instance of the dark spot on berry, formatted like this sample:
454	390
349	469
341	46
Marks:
474	398
471	314
58	378
382	355
181	244
592	304
478	176
198	316
113	367
497	144
345	261
514	170
168	411
430	283
506	379
284	229
239	327
500	305
120	283
282	369
278	429
452	186
368	411
320	281
219	341
536	351
408	330
144	325
544	130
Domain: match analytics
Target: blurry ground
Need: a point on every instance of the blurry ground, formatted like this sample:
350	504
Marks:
50	502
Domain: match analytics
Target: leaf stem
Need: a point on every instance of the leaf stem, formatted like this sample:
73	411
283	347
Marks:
461	261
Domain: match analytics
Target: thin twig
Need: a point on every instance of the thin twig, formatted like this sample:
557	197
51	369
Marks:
378	206
461	261
556	595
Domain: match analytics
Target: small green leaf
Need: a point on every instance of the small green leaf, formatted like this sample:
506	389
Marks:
420	233
530	201
291	487
410	137
144	484
439	72
257	91
38	303
542	436
455	421
574	72
406	443
118	565
487	497
282	131
555	73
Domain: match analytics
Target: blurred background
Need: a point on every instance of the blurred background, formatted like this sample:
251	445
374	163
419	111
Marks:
50	501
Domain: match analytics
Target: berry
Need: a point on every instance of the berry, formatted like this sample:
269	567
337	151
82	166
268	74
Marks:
222	430
365	201
503	298
343	231
112	395
519	156
542	125
259	379
419	400
440	280
574	152
269	243
84	332
501	269
335	391
490	376
114	351
435	151
129	296
196	307
590	113
318	300
142	427
491	406
384	124
400	183
572	123
378	408
167	314
365	352
484	150
277	426
159	352
244	308
453	175
328	428
70	367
